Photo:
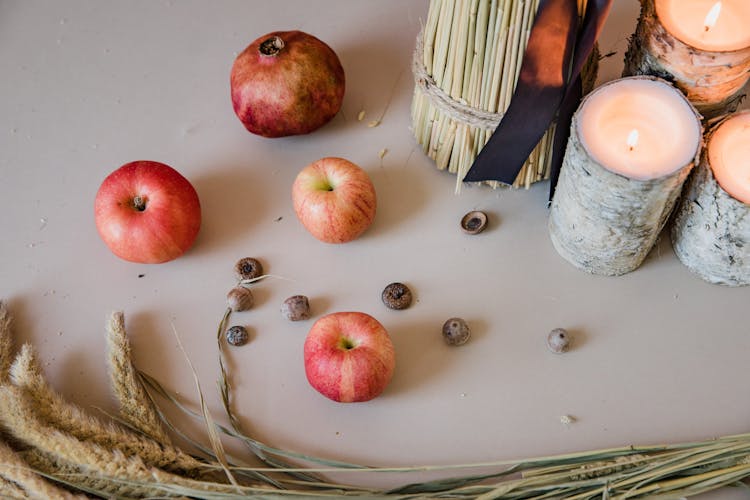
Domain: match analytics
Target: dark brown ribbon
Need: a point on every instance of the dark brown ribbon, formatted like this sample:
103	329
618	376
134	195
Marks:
548	89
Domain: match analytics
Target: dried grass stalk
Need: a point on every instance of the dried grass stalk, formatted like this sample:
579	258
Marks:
9	489
17	480
136	407
69	418
6	342
65	472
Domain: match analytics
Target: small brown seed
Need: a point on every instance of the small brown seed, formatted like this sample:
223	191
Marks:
456	331
237	335
296	308
248	268
474	222
240	298
558	340
396	296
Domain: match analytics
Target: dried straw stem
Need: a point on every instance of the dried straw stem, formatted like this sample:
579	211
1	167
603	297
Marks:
136	407
17	480
52	408
6	342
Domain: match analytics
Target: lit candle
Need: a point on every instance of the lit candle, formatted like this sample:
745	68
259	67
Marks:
632	143
647	119
729	156
711	233
701	45
707	24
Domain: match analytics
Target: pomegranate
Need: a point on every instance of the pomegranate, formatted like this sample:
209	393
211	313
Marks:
286	83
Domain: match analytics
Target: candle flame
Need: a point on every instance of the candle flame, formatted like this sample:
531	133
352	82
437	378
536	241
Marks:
712	16
632	141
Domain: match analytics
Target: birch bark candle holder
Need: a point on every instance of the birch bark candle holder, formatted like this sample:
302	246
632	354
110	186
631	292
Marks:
711	229
702	46
633	141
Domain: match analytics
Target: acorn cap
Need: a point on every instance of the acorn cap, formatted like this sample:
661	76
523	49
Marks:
474	222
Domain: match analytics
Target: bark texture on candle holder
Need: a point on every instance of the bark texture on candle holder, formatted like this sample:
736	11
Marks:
605	223
712	81
711	231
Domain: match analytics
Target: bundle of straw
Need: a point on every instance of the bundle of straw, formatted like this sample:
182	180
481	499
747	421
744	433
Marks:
466	64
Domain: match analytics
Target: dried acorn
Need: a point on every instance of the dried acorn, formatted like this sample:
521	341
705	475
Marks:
248	268
237	335
240	298
456	331
397	296
296	308
558	340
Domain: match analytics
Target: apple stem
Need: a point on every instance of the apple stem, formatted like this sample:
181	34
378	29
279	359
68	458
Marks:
139	203
347	344
271	46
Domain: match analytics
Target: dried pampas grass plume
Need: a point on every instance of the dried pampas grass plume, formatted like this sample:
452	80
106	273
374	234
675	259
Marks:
136	407
17	480
18	413
67	417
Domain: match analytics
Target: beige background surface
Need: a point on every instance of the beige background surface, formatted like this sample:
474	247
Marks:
86	86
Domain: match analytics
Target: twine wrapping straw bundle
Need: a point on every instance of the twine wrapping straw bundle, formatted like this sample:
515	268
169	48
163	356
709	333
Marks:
466	64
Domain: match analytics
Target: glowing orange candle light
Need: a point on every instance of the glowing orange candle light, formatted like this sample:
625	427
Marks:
707	24
657	125
729	156
632	141
712	16
701	46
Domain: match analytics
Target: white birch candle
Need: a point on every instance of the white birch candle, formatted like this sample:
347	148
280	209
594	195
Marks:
711	231
632	143
702	46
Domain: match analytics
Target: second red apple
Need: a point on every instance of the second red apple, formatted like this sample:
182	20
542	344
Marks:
349	357
334	199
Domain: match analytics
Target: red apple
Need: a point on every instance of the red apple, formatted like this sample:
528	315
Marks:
349	357
334	199
286	83
147	212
